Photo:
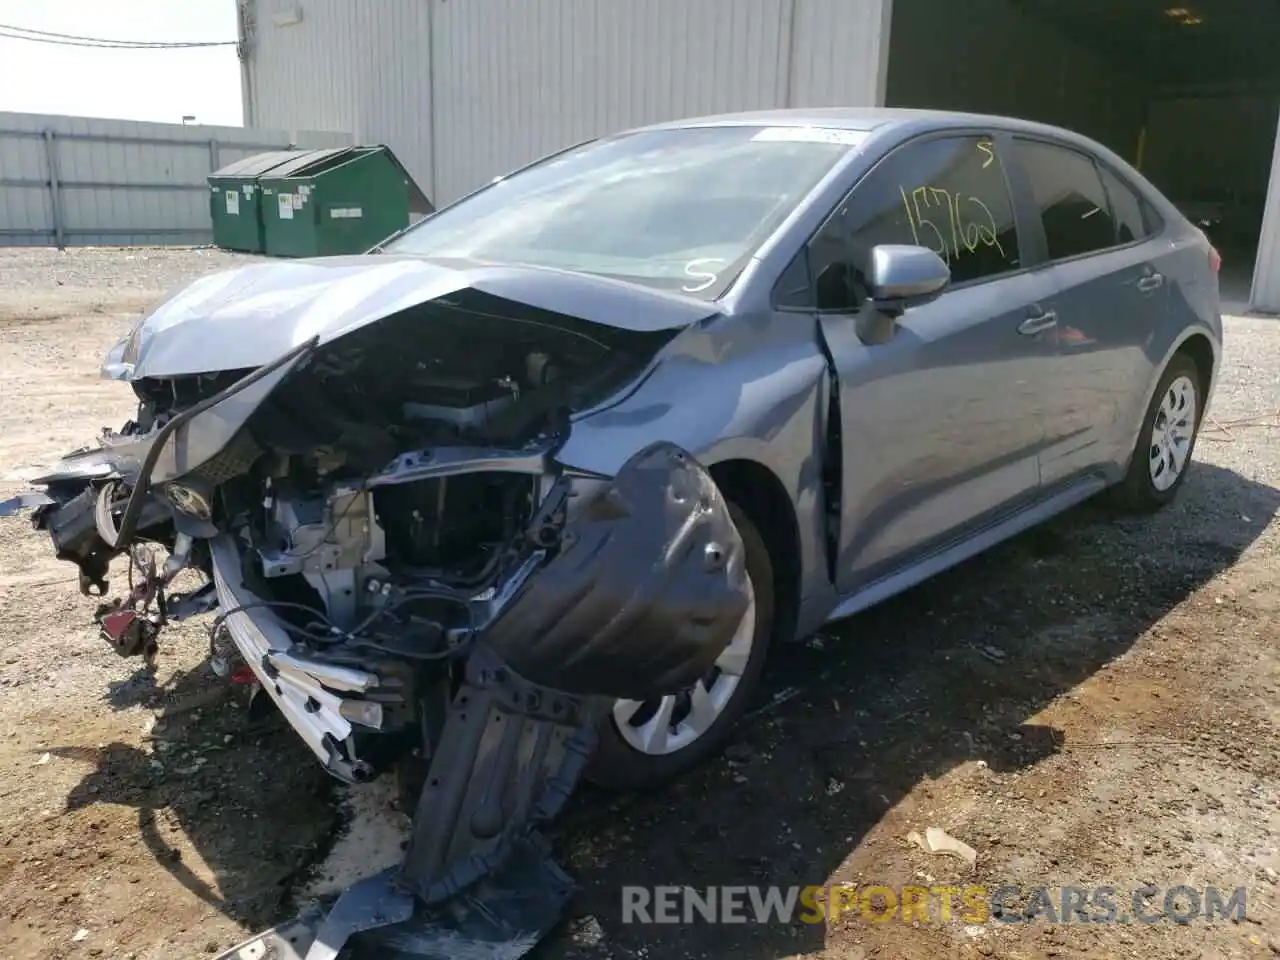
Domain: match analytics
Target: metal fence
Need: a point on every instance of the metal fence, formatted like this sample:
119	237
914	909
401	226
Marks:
68	181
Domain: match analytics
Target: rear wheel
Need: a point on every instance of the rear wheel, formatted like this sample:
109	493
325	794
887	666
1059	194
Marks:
1167	439
644	743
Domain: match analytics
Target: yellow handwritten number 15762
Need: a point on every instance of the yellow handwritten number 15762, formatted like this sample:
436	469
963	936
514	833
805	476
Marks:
966	222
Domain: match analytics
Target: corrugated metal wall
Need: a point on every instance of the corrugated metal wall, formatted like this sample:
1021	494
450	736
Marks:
502	82
353	65
73	180
840	53
517	79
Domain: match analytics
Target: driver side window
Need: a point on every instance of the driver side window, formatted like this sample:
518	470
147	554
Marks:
947	193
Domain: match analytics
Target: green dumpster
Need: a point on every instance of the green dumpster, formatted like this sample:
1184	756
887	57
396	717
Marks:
346	201
235	200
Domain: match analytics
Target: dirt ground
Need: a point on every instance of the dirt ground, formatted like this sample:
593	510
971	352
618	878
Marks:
1094	703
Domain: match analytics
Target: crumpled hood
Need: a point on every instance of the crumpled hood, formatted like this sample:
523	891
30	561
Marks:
246	317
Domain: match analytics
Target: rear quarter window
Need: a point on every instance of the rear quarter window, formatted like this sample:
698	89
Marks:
1070	198
1127	209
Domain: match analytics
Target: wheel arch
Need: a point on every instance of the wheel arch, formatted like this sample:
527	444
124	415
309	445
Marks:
762	496
1202	353
1205	351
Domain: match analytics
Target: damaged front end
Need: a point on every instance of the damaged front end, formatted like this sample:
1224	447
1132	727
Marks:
398	558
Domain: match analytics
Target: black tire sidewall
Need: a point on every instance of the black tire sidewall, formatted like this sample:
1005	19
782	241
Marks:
616	765
1139	492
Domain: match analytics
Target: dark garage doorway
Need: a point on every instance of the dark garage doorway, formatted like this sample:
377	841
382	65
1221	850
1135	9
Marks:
1187	92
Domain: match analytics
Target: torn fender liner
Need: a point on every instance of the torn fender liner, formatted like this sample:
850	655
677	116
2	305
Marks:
647	589
502	918
477	882
509	758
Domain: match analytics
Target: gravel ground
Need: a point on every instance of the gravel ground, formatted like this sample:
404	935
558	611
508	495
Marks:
1093	703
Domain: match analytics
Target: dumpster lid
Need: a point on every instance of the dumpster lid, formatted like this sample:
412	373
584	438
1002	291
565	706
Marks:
301	160
419	202
260	163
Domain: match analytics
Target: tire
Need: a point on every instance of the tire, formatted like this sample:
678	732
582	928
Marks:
619	764
1144	487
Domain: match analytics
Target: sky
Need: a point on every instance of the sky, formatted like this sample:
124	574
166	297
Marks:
160	85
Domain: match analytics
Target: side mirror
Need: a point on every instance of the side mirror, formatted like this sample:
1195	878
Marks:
901	276
906	275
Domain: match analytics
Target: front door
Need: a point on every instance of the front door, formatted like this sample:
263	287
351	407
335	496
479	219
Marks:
941	426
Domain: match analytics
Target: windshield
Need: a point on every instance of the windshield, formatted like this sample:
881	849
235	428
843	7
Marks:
680	209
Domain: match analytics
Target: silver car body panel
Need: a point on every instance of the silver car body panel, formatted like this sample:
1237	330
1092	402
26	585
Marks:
243	318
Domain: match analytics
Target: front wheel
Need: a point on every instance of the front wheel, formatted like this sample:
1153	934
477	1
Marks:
645	743
1166	440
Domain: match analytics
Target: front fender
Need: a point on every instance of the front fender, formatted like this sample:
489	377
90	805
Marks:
716	401
755	391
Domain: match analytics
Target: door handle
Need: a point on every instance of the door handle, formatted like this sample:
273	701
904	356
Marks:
1038	323
1151	282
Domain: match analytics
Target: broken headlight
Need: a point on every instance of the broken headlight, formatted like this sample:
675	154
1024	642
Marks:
119	361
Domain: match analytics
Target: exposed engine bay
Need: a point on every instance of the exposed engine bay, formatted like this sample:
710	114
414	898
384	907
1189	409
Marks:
390	547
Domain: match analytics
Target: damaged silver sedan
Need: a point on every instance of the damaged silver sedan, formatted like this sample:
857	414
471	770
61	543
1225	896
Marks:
528	492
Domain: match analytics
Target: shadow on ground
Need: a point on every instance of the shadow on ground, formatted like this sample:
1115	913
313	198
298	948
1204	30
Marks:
184	690
241	796
901	693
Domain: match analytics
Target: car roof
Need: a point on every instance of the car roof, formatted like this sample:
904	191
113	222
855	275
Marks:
881	119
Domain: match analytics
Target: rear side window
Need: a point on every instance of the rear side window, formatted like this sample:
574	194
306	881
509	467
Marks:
1069	195
947	193
1126	209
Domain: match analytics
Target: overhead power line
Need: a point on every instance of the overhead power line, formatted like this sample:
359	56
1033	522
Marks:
73	40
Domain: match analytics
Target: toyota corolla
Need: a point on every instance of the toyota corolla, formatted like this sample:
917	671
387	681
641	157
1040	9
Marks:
529	490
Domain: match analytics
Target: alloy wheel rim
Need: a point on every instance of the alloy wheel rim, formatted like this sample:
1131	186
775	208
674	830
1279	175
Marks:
1172	433
664	725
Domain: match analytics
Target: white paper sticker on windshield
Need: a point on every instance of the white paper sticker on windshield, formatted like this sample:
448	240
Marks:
848	138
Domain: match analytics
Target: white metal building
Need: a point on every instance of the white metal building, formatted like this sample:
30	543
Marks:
465	90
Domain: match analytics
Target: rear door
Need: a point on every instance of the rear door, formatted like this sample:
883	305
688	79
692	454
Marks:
1100	251
941	425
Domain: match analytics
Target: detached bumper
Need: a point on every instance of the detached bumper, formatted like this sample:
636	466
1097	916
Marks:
309	694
